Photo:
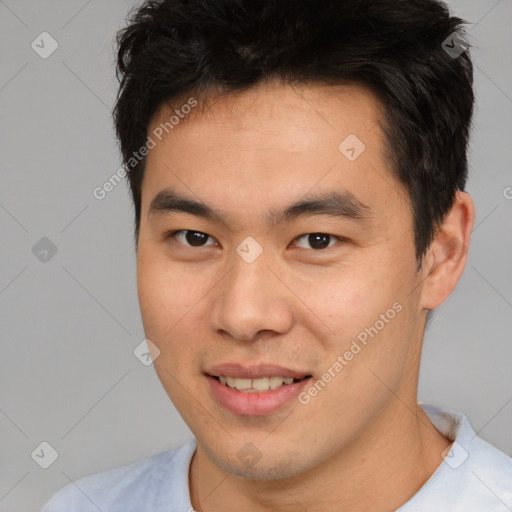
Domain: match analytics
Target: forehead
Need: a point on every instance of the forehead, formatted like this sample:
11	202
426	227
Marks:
301	108
260	149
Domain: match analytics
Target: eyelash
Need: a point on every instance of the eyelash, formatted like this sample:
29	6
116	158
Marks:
173	234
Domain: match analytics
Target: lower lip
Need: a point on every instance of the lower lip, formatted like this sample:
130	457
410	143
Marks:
254	404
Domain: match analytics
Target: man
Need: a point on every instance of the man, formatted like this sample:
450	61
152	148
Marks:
298	172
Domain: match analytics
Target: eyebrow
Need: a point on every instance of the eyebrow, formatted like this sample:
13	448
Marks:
342	204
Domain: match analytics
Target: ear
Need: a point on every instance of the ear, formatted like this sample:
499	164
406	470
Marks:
446	258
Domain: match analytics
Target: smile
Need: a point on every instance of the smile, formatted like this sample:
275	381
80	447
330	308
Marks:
259	385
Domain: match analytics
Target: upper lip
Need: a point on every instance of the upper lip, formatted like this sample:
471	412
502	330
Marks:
254	371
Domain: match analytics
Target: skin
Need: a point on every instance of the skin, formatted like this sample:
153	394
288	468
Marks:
362	443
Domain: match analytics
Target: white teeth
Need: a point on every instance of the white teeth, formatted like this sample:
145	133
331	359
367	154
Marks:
275	382
242	383
260	384
255	385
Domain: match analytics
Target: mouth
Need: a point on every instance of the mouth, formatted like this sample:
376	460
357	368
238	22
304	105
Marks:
255	390
259	385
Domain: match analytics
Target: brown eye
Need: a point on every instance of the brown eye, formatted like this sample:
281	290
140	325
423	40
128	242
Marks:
191	238
318	241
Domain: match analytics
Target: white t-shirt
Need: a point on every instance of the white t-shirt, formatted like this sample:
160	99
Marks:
473	477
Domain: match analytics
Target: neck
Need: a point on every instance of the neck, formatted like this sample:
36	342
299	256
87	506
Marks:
379	471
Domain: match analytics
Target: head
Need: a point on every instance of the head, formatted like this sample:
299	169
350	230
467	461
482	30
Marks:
298	172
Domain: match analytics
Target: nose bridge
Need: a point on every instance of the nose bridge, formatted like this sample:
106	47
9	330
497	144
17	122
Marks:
251	298
250	272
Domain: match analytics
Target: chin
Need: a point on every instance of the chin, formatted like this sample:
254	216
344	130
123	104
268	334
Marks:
274	466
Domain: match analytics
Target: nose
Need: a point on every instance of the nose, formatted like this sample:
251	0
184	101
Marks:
252	299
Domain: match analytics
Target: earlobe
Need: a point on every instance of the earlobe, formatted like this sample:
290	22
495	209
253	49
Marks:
447	255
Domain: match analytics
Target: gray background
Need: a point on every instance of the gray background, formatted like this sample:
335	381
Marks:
69	325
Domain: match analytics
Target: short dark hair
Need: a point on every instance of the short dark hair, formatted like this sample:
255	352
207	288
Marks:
394	47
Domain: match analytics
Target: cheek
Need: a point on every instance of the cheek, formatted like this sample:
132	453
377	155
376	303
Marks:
365	306
342	301
168	299
167	296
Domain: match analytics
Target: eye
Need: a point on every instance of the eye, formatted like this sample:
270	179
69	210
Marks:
319	241
190	238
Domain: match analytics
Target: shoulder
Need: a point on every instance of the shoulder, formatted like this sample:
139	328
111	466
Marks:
469	449
492	467
139	486
473	476
477	476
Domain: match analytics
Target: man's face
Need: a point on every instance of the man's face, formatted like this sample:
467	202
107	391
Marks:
228	295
